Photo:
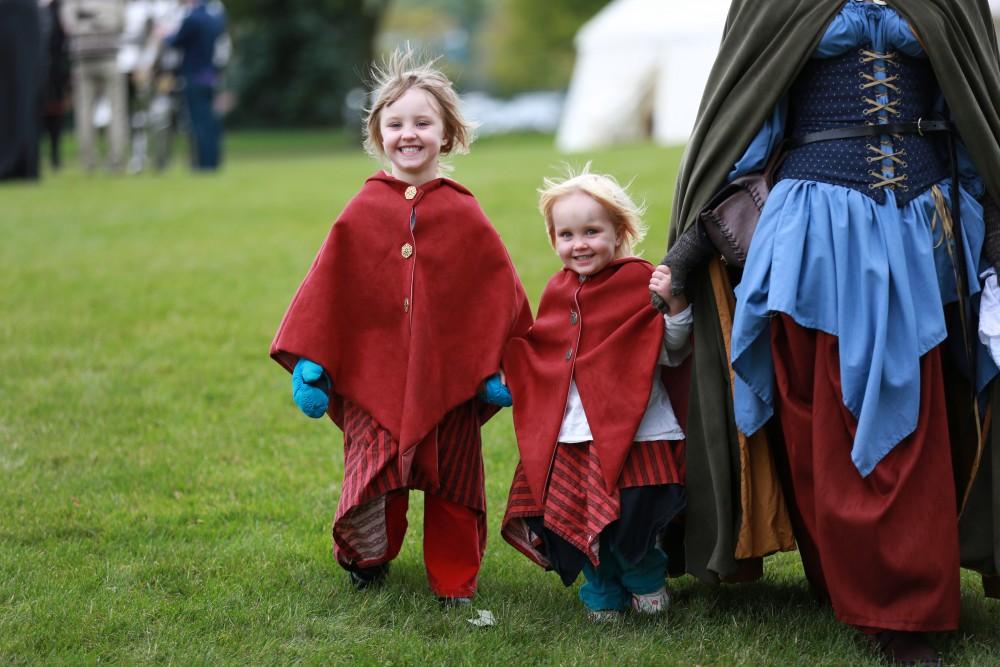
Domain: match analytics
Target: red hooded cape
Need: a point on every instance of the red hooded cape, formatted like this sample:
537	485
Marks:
407	307
603	332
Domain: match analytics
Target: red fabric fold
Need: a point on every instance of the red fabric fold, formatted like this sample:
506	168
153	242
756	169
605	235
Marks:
884	547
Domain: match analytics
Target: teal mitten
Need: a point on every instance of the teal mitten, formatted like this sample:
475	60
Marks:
310	387
495	392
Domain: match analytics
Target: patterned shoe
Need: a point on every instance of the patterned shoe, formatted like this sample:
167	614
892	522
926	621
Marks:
605	615
366	577
651	603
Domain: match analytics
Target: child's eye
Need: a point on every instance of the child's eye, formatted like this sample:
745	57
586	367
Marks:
565	235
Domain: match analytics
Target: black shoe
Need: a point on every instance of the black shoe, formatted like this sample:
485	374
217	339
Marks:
365	577
905	648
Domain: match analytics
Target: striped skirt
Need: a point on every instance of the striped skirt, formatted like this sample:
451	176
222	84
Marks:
371	472
577	507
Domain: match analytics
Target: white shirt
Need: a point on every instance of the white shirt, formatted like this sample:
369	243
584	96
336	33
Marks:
989	314
659	422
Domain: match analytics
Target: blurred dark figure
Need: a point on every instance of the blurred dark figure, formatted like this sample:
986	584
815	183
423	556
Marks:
20	85
203	28
55	84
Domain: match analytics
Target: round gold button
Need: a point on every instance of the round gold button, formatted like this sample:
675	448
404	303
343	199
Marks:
411	192
406	251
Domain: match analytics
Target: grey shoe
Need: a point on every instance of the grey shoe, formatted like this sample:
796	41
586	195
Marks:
455	602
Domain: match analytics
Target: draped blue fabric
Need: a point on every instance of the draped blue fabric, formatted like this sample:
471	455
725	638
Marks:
874	273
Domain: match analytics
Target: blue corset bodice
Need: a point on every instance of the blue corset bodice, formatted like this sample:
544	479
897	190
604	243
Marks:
865	87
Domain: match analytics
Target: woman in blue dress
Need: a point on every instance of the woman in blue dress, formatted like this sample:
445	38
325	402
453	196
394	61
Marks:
854	307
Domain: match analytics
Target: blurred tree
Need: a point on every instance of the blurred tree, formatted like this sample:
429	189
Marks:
439	28
295	61
529	43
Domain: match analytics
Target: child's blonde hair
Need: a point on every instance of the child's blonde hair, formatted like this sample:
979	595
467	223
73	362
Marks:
625	214
396	75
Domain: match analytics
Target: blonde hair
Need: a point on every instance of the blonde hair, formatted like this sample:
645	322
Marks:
390	81
625	214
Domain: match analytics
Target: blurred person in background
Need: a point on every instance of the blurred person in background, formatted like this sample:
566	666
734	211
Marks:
20	85
55	91
138	59
201	31
95	30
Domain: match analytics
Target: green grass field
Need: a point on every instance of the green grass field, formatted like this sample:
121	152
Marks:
163	500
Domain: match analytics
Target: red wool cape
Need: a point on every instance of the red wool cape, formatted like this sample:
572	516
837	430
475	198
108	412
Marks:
603	333
406	319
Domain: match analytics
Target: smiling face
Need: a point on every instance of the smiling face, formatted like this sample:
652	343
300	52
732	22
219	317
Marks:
412	136
584	234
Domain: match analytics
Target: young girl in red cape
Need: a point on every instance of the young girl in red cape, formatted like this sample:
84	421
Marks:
601	474
402	316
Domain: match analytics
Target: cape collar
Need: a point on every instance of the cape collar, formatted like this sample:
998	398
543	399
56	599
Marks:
416	191
604	273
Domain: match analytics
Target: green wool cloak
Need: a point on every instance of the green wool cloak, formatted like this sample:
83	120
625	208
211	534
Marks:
764	46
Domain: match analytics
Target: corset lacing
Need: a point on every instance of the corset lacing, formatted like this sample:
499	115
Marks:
882	82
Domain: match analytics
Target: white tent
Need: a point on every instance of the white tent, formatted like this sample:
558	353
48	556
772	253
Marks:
995	10
641	66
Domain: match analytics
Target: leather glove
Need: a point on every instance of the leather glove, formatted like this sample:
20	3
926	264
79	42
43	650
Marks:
310	388
495	392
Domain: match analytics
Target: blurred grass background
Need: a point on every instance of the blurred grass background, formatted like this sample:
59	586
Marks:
163	500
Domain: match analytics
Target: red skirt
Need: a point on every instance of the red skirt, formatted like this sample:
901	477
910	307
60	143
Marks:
883	547
577	506
371	472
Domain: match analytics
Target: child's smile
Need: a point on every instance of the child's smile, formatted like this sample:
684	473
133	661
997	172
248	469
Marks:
412	136
585	237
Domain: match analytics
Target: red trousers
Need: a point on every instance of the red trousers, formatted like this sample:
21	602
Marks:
454	541
370	523
883	547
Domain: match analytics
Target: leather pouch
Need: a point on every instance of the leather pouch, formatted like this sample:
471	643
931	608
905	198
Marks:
731	216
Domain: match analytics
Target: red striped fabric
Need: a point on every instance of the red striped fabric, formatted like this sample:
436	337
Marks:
371	471
577	506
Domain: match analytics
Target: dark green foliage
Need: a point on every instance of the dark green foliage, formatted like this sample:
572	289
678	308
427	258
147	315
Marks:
296	60
530	43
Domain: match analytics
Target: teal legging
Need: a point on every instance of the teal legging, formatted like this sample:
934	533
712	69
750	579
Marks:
611	584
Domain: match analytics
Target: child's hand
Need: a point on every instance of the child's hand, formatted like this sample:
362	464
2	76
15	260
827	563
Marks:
494	391
310	385
660	284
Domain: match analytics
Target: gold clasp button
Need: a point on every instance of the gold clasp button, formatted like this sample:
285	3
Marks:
406	251
410	193
569	354
406	304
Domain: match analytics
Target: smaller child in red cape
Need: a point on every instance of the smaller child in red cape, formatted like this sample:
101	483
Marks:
403	315
601	474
